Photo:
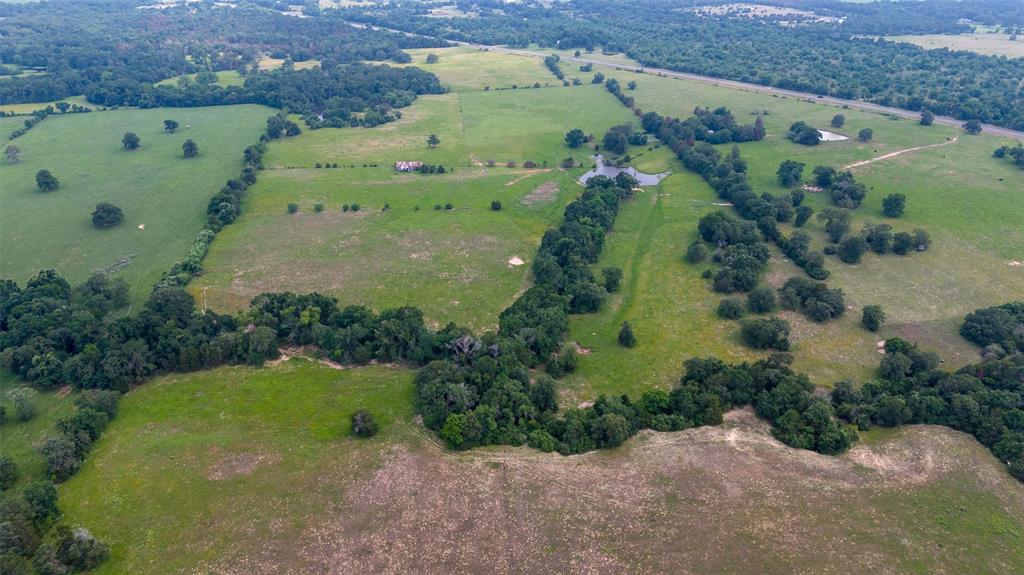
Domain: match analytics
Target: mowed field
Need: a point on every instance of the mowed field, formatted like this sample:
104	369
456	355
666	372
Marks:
453	264
468	69
982	43
253	471
154	186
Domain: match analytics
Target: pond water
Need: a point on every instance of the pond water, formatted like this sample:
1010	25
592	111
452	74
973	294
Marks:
603	169
831	136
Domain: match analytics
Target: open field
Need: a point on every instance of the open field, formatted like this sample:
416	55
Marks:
32	107
224	78
465	69
452	264
252	471
154	186
989	44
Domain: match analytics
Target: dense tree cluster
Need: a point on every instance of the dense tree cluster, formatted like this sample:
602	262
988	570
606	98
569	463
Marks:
984	399
659	34
770	333
843	189
1014	154
814	299
998	329
113	52
803	133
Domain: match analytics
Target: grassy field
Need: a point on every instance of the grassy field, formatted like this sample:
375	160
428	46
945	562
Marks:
154	186
469	69
242	470
224	78
452	264
25	109
989	44
970	214
210	460
21	440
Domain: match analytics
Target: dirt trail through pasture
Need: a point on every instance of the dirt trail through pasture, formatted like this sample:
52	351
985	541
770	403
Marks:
899	153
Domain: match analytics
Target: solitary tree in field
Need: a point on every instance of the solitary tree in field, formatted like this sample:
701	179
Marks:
12	153
972	127
433	141
838	121
894	204
363	424
872	317
927	117
865	135
190	149
46	182
575	138
131	141
631	85
106	215
170	126
626	337
432	58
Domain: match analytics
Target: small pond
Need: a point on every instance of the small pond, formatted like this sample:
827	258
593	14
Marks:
827	136
603	169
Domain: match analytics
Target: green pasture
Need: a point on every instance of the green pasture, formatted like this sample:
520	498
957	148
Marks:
983	43
464	69
155	187
454	264
217	465
224	78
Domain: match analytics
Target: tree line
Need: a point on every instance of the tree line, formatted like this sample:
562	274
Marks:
657	33
119	47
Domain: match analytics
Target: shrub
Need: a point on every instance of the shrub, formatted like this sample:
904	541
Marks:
363	424
612	279
449	207
865	135
771	333
318	208
495	205
730	308
626	337
437	206
761	300
696	252
106	215
8	472
24	408
893	205
190	149
46	182
354	207
292	208
872	317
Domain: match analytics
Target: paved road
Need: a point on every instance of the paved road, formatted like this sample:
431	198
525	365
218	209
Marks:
856	104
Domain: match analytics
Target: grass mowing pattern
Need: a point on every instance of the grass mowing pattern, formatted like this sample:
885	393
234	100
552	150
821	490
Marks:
155	186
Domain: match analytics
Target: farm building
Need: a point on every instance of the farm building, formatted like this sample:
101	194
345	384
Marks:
407	166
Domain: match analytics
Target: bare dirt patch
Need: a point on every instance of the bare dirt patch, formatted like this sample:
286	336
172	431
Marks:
542	194
231	465
663	503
